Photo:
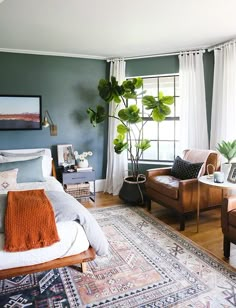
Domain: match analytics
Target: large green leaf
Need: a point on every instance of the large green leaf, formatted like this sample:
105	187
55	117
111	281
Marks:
97	116
143	144
164	109
138	82
130	114
110	90
149	102
157	115
119	143
122	129
168	100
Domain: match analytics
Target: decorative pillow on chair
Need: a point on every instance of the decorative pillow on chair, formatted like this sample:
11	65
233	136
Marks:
184	170
8	180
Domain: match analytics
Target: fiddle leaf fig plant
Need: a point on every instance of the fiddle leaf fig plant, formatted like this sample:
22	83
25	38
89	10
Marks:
227	149
129	115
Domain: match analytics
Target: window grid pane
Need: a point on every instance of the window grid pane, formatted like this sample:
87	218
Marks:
164	136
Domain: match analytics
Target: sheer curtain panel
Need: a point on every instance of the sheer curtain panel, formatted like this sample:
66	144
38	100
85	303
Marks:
223	124
117	164
193	119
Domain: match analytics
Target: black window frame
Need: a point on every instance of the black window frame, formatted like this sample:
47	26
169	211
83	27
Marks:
168	118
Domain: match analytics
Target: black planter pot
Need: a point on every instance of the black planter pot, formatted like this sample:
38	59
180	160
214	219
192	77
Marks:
133	191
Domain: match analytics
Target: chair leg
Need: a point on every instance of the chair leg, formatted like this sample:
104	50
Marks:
226	247
148	204
181	222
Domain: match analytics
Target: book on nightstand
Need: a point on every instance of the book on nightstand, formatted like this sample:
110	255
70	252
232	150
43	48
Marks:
84	169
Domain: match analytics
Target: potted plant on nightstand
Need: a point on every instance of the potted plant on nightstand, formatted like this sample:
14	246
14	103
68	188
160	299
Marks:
130	119
228	150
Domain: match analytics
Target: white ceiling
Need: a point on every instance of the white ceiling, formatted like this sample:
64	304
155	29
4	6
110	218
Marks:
109	28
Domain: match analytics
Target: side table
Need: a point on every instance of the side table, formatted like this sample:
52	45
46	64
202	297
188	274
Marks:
210	181
79	178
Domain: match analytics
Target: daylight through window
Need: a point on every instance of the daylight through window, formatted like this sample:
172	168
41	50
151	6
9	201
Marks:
164	136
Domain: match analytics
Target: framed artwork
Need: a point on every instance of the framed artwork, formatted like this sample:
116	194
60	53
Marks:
232	174
65	155
18	112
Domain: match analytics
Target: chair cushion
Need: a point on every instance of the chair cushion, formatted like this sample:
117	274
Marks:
185	170
164	184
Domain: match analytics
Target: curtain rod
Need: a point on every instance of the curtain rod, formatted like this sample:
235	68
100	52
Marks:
219	46
152	56
157	55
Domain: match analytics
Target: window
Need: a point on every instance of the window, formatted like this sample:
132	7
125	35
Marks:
165	135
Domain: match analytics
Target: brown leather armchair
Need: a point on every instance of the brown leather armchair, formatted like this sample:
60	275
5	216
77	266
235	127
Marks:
228	223
182	195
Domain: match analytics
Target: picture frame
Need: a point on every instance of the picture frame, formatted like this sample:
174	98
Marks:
232	174
20	112
65	155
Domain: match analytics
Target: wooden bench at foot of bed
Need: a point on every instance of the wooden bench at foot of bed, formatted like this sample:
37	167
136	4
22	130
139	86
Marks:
81	258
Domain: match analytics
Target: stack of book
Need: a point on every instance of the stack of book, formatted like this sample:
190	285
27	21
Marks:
84	169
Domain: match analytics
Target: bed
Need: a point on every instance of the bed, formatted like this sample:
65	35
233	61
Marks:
81	238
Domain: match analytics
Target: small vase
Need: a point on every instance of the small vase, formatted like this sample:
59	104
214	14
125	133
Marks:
225	168
83	163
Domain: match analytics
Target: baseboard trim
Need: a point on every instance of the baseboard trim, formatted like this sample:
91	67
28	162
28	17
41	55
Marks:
99	185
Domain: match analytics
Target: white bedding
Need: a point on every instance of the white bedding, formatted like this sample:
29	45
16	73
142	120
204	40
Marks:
72	235
72	241
51	183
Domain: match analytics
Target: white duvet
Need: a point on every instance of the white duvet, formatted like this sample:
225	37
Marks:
72	237
51	183
72	241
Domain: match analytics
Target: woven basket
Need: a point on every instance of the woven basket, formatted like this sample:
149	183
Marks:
78	190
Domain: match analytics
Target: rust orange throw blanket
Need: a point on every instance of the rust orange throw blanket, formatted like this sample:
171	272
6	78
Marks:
29	221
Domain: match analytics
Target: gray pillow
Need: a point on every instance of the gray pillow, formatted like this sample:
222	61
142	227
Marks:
28	170
20	154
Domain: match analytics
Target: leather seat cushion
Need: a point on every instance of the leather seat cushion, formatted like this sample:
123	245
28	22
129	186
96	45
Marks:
164	184
232	218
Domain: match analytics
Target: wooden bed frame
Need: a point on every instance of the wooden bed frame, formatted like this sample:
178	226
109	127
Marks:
81	258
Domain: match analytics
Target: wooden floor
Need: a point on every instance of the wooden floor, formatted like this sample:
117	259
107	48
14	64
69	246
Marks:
209	235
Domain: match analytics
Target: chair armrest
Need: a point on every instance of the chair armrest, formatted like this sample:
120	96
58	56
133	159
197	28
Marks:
229	204
158	171
184	184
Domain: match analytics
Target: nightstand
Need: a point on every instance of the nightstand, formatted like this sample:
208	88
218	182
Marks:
77	183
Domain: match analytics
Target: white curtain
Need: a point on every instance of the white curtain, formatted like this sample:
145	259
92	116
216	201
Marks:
223	122
117	164
193	119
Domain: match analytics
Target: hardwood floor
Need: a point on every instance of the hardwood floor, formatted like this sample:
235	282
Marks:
209	236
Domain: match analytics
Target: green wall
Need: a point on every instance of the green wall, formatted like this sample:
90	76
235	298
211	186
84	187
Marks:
68	87
152	66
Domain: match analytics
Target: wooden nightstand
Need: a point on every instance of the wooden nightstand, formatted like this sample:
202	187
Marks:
77	183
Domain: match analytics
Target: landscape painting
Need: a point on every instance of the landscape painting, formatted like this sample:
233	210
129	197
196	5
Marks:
20	112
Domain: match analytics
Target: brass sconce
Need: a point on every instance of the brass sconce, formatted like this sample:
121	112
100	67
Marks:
48	122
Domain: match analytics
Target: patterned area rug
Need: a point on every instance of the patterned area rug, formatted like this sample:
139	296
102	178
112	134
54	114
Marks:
149	265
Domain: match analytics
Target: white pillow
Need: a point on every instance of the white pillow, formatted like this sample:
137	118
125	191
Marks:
46	162
8	180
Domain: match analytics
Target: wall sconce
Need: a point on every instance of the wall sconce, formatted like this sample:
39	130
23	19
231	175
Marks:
48	122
